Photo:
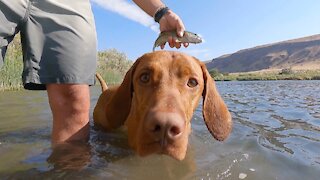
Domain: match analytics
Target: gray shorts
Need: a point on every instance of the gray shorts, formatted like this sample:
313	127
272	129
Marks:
58	40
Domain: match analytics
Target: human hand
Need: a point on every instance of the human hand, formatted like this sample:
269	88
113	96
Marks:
171	21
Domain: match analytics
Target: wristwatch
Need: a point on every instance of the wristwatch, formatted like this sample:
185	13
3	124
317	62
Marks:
160	13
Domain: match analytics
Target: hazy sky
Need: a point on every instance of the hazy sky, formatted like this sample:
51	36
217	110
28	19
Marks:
226	25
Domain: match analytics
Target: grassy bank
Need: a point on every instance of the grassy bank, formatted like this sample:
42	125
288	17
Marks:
285	74
112	65
10	73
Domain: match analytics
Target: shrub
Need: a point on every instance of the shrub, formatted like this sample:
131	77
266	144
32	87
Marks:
215	73
113	65
10	72
286	71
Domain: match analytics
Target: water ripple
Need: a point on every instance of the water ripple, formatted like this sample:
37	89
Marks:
283	115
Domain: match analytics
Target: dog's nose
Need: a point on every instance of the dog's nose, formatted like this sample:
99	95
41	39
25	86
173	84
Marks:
165	126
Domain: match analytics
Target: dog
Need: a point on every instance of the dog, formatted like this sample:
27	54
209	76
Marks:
156	101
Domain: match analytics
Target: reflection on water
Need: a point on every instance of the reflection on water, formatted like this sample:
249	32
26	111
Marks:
75	156
276	135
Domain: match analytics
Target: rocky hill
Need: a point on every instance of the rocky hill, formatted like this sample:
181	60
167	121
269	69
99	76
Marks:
298	54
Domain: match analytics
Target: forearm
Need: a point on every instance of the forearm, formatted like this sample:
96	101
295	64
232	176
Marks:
149	6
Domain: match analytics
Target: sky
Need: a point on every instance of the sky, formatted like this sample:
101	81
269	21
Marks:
226	26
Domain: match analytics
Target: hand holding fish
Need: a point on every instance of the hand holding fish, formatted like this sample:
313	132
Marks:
172	30
172	22
188	37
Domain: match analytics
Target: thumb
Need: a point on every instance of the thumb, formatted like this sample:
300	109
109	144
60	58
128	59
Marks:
180	29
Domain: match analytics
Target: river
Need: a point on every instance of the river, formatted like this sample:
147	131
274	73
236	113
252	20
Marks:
276	135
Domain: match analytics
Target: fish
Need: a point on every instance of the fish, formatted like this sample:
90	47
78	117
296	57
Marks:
188	37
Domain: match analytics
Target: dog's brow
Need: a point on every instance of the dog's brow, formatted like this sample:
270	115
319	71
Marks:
147	69
186	70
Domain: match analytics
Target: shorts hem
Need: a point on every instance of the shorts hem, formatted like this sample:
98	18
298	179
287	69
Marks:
33	82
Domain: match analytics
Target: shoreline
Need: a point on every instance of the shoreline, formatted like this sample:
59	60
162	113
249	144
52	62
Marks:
225	79
285	74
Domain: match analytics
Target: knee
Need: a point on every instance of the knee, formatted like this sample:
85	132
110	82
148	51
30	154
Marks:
74	98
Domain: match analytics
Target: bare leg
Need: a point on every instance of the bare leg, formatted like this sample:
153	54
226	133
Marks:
70	104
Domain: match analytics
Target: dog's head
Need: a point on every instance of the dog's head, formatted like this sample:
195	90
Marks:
162	89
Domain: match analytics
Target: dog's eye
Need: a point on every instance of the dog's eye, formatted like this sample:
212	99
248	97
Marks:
145	77
192	82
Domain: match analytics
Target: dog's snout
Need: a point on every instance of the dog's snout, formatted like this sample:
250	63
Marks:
165	125
174	131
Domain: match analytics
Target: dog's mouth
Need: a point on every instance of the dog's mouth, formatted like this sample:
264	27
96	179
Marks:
163	144
173	149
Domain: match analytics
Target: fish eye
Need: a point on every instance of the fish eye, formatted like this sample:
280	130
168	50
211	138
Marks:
192	82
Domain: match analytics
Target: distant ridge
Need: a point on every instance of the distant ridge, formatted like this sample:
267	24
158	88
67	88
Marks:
302	53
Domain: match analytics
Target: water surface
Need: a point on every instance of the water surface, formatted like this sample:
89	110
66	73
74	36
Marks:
276	135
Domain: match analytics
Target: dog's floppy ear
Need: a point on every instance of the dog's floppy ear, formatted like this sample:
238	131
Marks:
118	108
215	112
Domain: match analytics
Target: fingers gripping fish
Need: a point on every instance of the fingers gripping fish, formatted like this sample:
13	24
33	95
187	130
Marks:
188	37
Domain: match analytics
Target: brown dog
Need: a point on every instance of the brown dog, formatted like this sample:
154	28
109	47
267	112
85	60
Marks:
156	101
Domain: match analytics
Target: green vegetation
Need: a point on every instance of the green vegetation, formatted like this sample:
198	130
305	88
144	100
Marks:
112	65
215	72
10	73
284	74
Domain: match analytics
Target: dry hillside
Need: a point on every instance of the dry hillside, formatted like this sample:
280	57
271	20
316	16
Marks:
302	53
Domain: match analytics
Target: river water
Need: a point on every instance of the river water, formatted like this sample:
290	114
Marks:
276	135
